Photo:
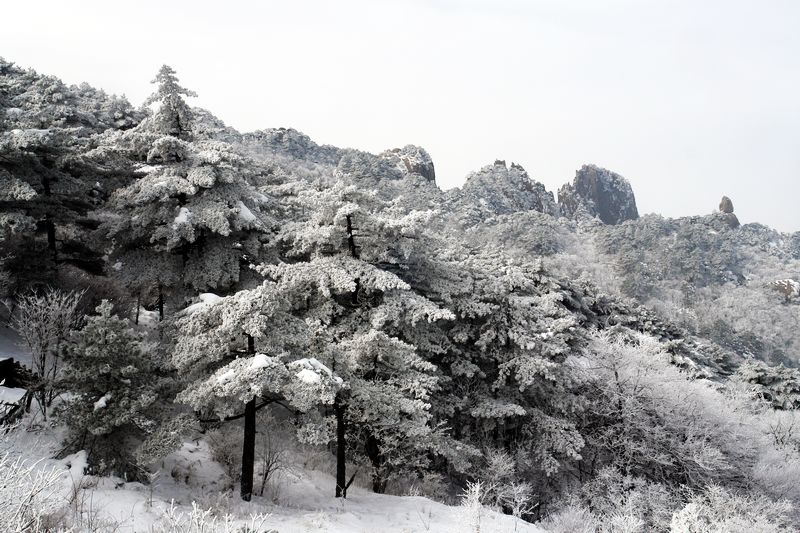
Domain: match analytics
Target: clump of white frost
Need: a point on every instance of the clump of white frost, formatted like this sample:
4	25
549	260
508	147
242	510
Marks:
308	376
260	361
182	218
311	370
102	402
206	299
226	376
245	213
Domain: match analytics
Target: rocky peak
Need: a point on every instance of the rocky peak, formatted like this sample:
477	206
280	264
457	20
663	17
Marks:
725	215
725	205
597	192
506	190
411	160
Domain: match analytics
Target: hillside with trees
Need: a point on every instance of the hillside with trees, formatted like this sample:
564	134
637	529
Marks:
206	311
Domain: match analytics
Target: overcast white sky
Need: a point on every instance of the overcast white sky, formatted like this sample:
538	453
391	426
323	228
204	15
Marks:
688	99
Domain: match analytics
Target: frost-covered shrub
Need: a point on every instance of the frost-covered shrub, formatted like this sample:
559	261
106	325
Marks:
226	449
750	319
647	419
271	454
44	321
626	503
777	471
432	485
503	486
664	438
200	520
31	494
718	510
271	445
571	519
472	506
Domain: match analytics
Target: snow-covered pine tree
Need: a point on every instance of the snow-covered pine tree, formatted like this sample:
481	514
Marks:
44	192
504	384
338	277
114	390
388	405
194	208
243	352
173	116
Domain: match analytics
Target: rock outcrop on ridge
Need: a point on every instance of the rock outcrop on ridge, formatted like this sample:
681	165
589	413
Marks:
412	160
597	192
504	190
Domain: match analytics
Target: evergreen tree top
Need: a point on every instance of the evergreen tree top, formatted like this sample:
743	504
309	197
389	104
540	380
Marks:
173	116
168	86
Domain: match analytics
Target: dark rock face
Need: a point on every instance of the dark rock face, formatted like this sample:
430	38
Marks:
597	192
725	215
503	191
725	205
412	160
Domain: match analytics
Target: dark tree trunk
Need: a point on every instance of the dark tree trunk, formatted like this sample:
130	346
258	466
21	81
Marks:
249	445
351	241
48	222
160	303
373	450
138	307
338	405
341	467
51	237
248	450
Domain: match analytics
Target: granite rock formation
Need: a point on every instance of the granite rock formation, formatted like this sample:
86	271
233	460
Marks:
412	160
725	205
598	193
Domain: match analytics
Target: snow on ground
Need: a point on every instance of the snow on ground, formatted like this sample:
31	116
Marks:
11	395
306	505
302	502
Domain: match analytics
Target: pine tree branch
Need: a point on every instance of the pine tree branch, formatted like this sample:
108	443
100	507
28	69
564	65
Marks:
236	417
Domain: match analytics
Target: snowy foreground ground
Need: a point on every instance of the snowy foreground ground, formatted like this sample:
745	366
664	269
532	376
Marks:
303	499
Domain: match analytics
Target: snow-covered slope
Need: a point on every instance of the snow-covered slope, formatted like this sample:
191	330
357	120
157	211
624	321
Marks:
301	502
